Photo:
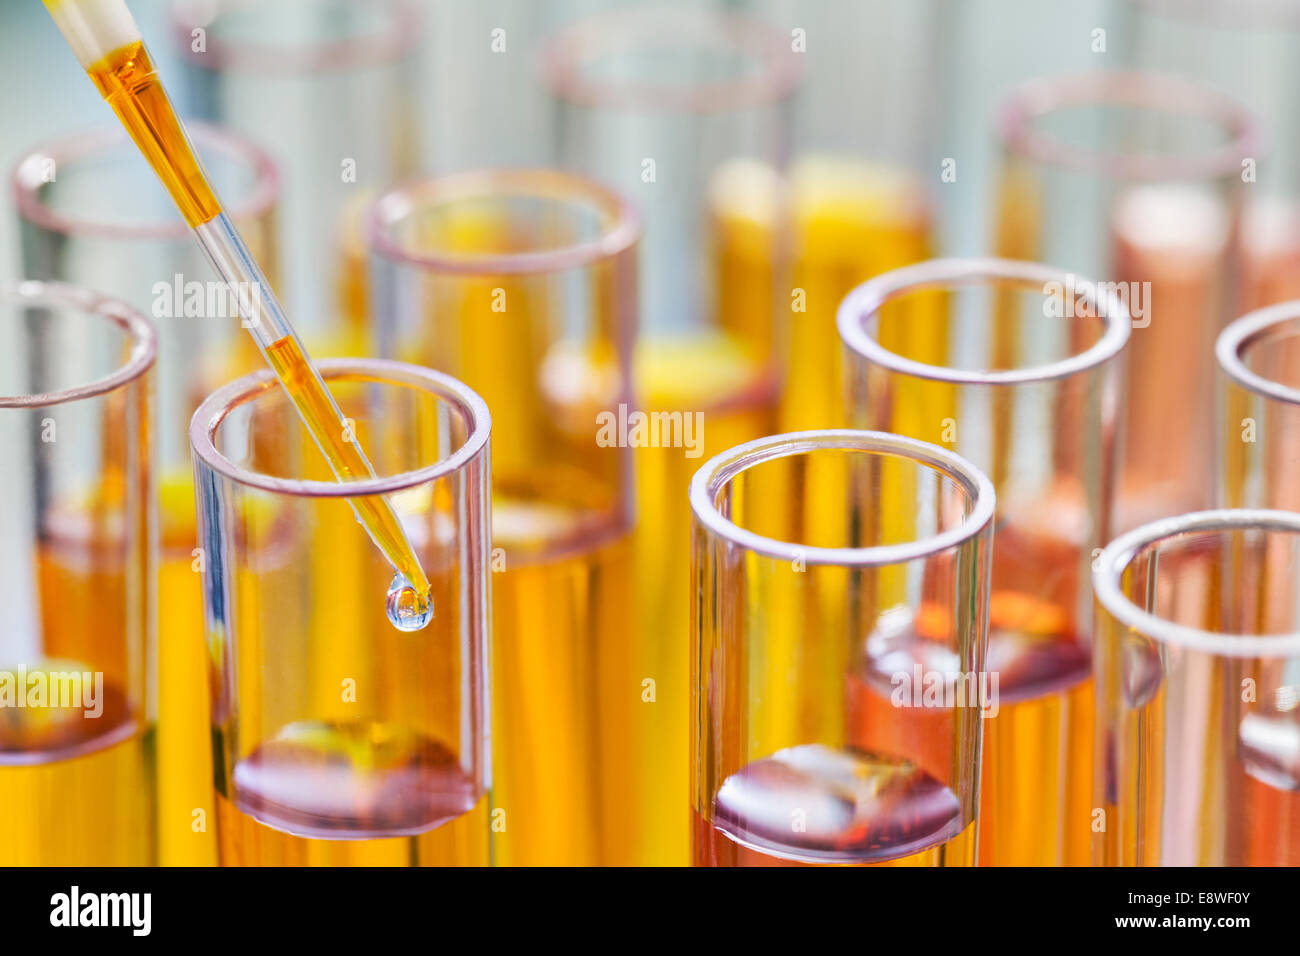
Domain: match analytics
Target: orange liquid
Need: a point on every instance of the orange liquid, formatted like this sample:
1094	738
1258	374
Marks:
1273	825
1035	784
129	84
185	837
77	789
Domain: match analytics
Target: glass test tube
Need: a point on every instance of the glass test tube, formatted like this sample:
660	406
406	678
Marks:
92	213
77	655
482	103
1198	679
863	179
326	87
1259	409
338	739
686	112
1249	50
523	284
814	739
1033	399
1136	179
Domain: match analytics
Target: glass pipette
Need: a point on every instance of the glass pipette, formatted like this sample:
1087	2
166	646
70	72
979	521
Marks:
106	41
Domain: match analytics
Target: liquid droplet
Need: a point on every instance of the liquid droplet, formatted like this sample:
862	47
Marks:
408	609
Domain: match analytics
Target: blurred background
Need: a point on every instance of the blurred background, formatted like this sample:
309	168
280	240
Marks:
478	107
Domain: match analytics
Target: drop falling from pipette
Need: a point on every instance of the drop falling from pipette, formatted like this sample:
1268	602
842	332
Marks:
408	609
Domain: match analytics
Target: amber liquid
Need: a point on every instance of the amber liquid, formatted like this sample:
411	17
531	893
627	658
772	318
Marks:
1273	824
1176	243
186	821
1035	789
1268	747
129	84
78	790
86	802
565	696
734	394
849	221
570	777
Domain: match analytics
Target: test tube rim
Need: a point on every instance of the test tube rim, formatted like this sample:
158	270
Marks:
1240	334
212	411
619	235
139	330
1116	557
710	478
775	82
385	46
867	299
1116	88
77	146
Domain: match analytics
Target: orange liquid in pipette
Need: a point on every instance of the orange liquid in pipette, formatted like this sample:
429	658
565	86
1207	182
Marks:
344	454
128	82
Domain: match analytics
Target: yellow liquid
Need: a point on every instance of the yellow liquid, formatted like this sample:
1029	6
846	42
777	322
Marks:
717	377
185	837
94	809
566	694
78	790
851	221
566	780
1036	800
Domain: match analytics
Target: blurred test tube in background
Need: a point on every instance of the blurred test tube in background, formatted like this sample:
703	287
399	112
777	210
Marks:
92	213
1136	179
1258	435
327	87
523	284
685	110
77	585
1198	678
1037	407
1249	49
